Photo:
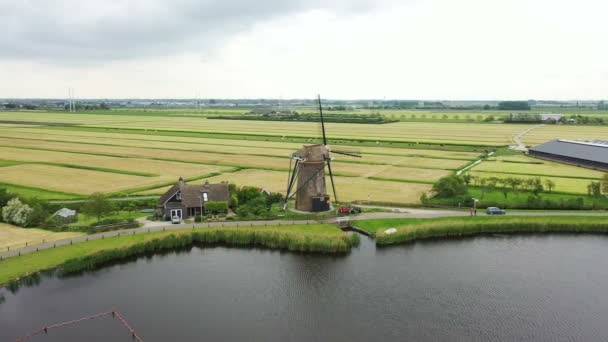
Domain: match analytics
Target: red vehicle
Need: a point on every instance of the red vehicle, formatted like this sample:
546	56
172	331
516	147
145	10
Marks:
349	210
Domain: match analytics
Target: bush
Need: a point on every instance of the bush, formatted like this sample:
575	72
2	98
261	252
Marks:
16	212
216	206
450	186
198	218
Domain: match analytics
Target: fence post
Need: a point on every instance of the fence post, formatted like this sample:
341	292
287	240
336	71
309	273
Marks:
25	243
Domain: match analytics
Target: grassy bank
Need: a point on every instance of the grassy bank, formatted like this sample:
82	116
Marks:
414	229
91	254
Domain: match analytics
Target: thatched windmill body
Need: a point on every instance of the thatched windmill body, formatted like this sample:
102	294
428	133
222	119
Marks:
306	178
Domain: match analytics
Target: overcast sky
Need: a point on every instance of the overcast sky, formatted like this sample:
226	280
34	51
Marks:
408	49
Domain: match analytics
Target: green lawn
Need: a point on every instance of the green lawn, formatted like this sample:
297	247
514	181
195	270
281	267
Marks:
519	200
31	192
84	220
413	229
307	237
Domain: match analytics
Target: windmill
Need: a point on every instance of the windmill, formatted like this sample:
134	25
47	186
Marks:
308	174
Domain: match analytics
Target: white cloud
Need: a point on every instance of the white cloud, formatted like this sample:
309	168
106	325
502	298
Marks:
433	49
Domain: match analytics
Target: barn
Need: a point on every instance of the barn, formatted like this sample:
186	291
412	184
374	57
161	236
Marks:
590	154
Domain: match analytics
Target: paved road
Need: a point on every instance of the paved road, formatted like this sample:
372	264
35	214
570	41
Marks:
155	226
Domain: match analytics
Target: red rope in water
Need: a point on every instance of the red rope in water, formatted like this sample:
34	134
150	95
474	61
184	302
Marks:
114	313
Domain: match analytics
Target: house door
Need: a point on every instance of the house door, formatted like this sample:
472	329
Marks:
176	212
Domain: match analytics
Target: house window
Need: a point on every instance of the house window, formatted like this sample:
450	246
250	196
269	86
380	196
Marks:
178	196
205	198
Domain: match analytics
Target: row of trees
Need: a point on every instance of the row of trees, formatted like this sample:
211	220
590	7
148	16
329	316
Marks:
454	186
598	188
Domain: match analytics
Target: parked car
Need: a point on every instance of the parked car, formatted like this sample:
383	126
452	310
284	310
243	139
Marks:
176	220
349	210
495	211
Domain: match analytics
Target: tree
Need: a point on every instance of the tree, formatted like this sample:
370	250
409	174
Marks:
98	205
513	182
16	212
5	196
129	207
604	182
450	186
549	184
594	189
467	179
514	105
536	186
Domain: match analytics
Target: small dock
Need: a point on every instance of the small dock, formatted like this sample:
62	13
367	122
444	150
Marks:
345	224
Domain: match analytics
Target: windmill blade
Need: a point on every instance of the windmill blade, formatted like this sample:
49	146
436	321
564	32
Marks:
307	181
292	180
331	177
347	153
322	121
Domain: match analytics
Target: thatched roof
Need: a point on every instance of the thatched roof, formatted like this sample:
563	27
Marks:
191	193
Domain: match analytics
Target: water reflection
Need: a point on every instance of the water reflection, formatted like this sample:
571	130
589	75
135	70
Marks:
474	289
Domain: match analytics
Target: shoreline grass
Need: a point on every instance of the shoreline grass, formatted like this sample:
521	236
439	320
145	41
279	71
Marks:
417	229
317	238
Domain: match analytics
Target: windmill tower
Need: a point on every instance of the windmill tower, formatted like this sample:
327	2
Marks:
308	173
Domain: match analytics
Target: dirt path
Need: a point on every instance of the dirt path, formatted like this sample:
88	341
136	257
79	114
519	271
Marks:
520	146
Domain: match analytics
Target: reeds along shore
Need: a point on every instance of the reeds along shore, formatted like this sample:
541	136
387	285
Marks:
467	227
286	240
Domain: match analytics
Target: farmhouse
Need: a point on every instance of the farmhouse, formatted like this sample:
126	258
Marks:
580	153
187	200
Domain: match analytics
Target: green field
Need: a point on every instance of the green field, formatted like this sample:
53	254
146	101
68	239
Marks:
416	229
144	151
567	178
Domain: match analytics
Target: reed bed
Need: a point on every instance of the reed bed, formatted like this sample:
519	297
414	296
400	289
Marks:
467	226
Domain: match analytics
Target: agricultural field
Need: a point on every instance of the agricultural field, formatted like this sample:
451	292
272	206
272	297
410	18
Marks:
16	237
546	133
567	178
449	133
547	168
141	152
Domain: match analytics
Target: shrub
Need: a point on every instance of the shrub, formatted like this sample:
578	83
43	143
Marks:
450	186
16	212
216	206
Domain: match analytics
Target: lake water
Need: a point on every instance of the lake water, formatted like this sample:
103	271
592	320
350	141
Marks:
545	288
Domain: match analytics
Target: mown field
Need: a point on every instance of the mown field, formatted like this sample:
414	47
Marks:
64	162
17	237
62	155
567	178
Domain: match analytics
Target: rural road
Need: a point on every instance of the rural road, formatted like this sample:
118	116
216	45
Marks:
520	146
152	226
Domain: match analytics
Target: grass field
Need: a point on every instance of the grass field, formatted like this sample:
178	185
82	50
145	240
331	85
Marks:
413	229
574	132
567	178
547	168
16	237
143	152
458	133
571	185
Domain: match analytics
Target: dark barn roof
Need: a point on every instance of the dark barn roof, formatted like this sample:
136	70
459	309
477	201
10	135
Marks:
575	149
191	193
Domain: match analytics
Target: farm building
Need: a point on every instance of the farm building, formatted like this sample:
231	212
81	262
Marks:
580	153
65	216
187	200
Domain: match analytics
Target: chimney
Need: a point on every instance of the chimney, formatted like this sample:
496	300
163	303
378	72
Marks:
181	181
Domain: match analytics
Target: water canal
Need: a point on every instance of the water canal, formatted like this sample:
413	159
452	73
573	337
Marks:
546	288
